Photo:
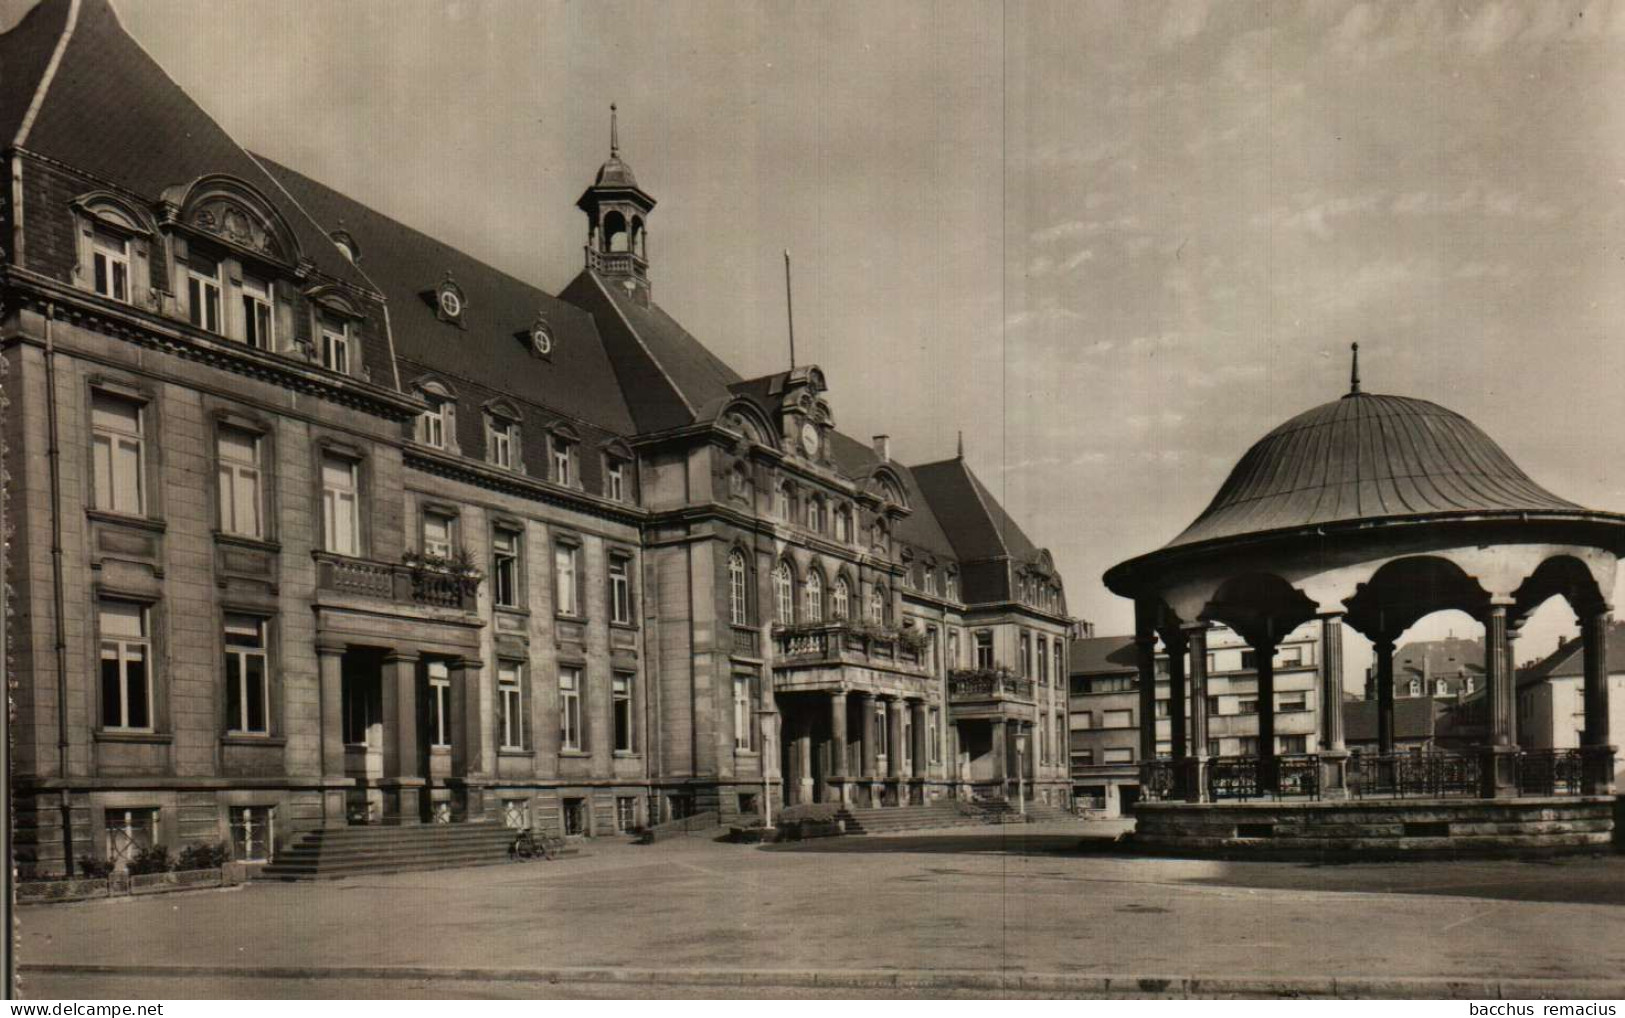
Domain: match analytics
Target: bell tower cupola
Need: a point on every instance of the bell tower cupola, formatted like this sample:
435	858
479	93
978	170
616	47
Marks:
617	222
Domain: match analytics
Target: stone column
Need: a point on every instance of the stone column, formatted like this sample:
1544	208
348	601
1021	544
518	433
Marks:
835	779
1192	783
866	736
1179	747
1597	754
804	778
894	751
330	664
1384	649
1500	770
1001	753
470	751
922	739
402	766
1333	751
1264	651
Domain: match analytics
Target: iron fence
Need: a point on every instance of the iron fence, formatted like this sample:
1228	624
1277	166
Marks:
1157	780
1426	775
1550	772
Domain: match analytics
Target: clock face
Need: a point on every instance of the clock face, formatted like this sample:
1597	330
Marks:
809	439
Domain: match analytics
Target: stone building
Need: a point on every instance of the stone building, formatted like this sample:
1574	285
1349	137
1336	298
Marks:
319	520
1104	708
1551	695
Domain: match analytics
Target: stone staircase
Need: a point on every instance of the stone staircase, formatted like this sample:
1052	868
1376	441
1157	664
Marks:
332	852
1038	813
916	818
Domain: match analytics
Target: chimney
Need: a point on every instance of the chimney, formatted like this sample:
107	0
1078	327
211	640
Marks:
883	448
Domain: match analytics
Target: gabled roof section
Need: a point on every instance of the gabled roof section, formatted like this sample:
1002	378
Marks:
920	528
1103	655
491	346
1415	717
972	518
109	110
1568	660
673	375
1441	659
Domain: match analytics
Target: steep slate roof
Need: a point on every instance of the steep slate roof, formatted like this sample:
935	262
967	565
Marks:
971	517
670	372
1103	655
1414	718
1366	456
1568	660
112	112
493	349
1441	659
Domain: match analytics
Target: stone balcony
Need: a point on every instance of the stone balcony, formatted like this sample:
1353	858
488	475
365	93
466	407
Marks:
990	693
842	655
405	585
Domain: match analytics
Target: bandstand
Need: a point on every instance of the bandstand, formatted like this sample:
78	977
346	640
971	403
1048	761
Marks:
1371	512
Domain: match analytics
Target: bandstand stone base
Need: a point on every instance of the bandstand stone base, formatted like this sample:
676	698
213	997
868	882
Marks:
1376	828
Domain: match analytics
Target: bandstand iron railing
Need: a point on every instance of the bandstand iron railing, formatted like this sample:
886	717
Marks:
1296	776
1157	780
1550	772
1425	775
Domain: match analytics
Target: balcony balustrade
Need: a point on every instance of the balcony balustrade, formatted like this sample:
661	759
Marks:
978	684
394	581
841	640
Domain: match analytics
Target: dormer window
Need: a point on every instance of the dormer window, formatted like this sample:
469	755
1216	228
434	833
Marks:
110	255
432	424
335	344
203	294
499	441
449	302
930	581
259	328
951	590
563	461
615	481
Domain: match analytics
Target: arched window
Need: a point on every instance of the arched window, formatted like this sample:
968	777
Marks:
784	593
738	590
877	606
812	598
930	581
738	480
840	599
815	515
953	587
781	501
1416	687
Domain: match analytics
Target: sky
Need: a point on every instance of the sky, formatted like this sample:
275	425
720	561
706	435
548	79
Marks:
1114	243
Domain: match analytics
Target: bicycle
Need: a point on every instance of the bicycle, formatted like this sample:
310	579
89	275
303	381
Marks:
527	846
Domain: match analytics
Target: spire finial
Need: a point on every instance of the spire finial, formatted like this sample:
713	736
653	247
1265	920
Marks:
614	133
1354	371
961	445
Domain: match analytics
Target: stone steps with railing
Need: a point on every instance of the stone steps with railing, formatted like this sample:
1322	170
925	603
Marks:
328	853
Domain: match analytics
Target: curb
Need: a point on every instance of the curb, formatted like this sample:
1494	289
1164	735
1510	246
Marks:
924	980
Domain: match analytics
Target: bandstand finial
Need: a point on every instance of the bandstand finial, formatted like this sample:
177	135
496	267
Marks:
614	134
1354	371
961	445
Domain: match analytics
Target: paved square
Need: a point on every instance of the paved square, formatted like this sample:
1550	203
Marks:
953	912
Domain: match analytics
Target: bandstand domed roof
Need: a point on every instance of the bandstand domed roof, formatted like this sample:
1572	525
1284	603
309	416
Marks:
615	173
1367	456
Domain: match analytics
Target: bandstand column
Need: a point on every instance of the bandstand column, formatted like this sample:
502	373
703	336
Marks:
1264	651
1499	773
1333	751
1192	778
1384	649
836	775
1175	646
1145	652
1597	754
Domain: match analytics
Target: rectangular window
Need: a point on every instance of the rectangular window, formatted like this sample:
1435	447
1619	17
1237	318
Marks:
984	649
908	742
1293	703
1213	710
238	454
561	461
516	814
744	730
570	709
437	534
499	441
259	323
626	814
110	255
1083	720
882	732
1043	661
1084	757
1026	656
1248	745
128	832
1164	750
510	706
1247	706
1117	719
1294	743
203	294
621	709
505	568
251	833
119	453
1118	755
1213	747
1162	708
335	345
934	720
1290	657
439	704
1249	660
567	581
126	654
615	481
620	589
432	424
246	671
341	519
